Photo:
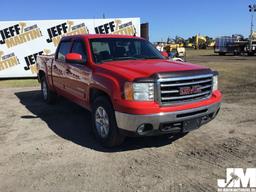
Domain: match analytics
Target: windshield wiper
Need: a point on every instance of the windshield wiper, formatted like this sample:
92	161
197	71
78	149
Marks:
117	59
153	57
147	57
103	61
125	58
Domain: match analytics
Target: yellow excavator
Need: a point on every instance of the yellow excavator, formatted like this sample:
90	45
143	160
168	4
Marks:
174	43
201	42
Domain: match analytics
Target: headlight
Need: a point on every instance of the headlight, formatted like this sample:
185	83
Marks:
215	83
139	91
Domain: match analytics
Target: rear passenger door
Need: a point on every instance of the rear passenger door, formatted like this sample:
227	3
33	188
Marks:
79	74
59	66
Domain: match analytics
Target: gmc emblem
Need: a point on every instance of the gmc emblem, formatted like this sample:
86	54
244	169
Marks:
190	90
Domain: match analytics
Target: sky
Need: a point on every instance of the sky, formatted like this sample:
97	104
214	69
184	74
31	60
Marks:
167	18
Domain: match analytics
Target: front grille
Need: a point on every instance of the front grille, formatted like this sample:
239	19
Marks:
171	90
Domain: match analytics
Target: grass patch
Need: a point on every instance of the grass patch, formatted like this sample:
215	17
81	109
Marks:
199	52
19	83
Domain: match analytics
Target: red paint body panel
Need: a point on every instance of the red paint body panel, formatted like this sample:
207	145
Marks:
133	69
142	108
75	81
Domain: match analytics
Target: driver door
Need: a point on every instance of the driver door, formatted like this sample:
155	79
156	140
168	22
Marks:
78	74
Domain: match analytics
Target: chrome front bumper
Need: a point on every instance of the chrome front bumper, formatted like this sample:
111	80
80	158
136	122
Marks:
131	122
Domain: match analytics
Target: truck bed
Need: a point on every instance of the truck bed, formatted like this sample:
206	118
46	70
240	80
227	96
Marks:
44	63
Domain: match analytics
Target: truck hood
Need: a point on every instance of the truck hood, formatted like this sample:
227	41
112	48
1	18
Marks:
132	69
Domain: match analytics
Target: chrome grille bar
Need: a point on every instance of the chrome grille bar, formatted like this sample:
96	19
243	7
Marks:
171	91
186	96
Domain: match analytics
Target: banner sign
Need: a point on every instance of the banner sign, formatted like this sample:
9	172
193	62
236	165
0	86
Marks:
22	41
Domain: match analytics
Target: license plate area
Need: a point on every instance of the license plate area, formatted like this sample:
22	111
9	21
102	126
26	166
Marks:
191	124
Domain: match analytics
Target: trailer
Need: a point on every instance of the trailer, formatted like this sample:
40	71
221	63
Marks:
235	44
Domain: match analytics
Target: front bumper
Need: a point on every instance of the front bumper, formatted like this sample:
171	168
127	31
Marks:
168	122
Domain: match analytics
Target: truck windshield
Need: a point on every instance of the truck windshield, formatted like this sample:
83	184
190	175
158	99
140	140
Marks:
112	49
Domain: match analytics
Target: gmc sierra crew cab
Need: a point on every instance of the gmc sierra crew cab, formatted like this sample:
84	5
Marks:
130	88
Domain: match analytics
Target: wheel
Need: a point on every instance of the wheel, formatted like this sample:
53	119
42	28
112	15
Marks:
48	96
104	123
250	53
222	53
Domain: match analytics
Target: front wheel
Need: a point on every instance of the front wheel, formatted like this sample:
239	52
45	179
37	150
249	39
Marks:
104	123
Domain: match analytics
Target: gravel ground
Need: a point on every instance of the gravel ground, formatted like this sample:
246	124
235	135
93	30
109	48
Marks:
51	148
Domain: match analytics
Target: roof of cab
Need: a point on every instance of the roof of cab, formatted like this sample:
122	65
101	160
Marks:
95	36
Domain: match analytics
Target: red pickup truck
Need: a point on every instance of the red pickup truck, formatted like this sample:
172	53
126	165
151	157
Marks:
130	88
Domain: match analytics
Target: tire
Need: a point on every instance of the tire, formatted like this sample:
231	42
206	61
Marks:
104	123
222	53
48	96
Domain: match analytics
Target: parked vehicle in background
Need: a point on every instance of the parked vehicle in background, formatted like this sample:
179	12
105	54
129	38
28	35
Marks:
181	52
129	87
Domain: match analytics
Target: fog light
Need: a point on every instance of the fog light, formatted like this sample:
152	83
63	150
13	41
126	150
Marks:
144	128
140	129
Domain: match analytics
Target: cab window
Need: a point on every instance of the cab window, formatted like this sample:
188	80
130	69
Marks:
78	47
63	50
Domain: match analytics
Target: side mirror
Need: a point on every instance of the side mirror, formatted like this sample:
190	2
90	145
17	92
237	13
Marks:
74	58
165	54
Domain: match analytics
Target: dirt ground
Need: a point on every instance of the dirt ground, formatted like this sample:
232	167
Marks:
51	148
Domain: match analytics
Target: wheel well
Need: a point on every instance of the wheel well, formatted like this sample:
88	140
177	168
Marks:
41	74
94	93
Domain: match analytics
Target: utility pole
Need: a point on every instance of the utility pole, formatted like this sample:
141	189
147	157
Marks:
252	9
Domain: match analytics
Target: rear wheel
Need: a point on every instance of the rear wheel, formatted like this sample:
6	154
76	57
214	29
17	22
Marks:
104	123
48	96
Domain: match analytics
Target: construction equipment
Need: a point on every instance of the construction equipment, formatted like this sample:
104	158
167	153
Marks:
200	42
174	43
